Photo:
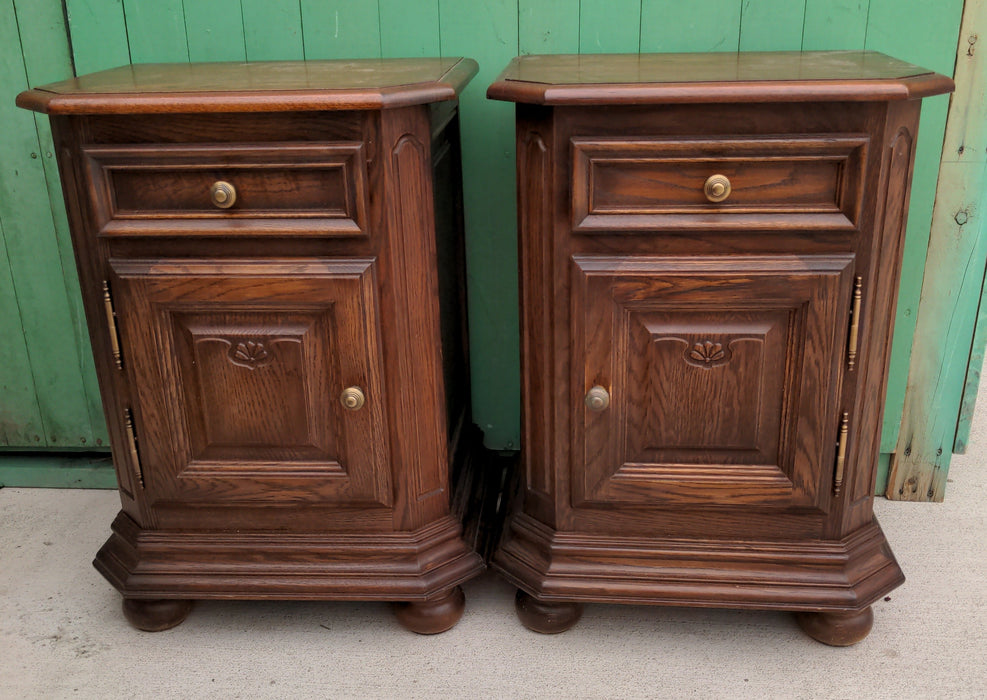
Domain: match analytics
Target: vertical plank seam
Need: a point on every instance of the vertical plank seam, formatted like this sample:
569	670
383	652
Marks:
740	24
126	31
243	29
68	37
301	28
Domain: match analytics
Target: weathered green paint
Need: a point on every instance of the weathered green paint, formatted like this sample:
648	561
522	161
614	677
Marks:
35	264
492	31
57	471
953	284
101	29
703	25
44	62
272	30
609	26
156	31
771	25
340	29
548	26
410	29
214	30
488	148
923	33
975	364
834	24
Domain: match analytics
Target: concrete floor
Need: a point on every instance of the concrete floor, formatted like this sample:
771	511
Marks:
62	634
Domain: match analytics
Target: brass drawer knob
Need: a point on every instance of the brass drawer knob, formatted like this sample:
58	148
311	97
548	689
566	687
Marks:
223	194
352	398
717	188
597	399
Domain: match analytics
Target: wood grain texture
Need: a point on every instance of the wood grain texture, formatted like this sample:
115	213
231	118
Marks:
729	458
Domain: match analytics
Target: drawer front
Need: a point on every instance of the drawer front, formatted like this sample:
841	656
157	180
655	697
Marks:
241	369
289	189
707	380
784	182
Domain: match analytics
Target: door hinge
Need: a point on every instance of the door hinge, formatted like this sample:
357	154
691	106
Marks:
128	418
111	321
854	324
841	453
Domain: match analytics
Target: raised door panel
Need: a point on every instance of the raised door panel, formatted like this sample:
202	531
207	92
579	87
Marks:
239	367
721	375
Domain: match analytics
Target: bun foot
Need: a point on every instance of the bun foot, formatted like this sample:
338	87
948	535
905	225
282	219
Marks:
155	615
432	616
547	618
836	628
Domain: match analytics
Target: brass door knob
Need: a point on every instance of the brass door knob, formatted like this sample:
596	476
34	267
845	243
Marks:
597	399
352	398
717	188
223	194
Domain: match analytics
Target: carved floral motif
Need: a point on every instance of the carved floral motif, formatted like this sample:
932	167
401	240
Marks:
249	353
707	353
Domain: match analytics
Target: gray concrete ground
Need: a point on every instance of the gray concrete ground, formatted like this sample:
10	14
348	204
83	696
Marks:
62	634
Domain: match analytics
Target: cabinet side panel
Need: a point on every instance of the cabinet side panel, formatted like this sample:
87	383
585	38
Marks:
412	330
897	151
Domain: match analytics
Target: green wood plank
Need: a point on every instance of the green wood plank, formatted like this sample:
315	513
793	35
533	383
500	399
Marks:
974	367
925	34
548	26
491	218
609	26
20	415
99	34
35	264
57	471
341	28
953	284
835	25
47	58
272	30
883	465
412	29
771	25
156	31
214	30
701	25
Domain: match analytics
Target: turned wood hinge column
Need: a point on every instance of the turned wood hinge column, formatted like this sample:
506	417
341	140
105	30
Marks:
854	335
841	440
111	322
128	419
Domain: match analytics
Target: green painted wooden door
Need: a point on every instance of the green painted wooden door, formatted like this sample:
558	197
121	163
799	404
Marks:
45	368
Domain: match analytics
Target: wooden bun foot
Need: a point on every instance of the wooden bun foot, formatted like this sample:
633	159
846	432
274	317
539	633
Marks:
155	615
432	616
547	618
837	629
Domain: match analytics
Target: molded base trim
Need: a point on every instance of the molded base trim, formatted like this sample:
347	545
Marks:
395	566
841	575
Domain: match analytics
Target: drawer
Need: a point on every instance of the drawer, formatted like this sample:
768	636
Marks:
284	189
765	183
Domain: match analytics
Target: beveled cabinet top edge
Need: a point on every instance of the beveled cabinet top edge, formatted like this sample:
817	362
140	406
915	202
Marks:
265	86
769	76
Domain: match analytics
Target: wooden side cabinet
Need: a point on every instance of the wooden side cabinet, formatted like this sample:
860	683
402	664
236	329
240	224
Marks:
270	257
710	249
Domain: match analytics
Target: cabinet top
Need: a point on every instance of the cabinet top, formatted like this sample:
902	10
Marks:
781	76
269	86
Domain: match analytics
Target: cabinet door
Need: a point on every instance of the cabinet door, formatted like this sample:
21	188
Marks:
722	375
238	367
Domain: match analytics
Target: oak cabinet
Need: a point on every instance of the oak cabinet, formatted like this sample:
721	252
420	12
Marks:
709	257
271	264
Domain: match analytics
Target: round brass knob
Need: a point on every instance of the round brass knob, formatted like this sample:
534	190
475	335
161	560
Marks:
717	188
597	398
352	398
223	194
